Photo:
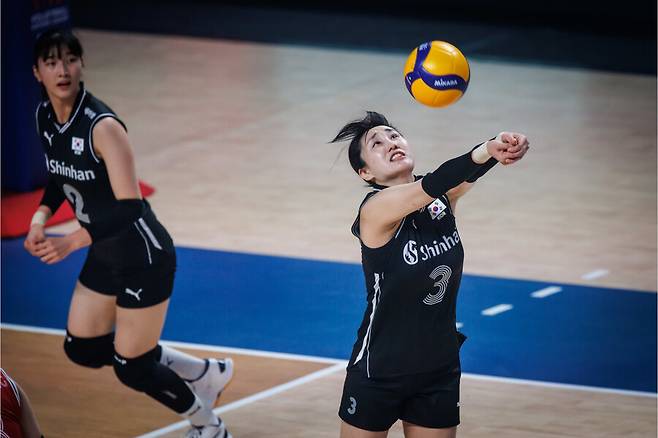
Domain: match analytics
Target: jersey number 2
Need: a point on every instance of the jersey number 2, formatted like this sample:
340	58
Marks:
76	199
444	272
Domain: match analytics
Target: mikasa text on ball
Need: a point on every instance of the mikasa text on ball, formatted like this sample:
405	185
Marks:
436	74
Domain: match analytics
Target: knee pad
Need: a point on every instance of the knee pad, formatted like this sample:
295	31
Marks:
90	352
137	373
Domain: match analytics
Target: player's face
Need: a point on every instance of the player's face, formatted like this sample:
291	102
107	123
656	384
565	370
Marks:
387	155
60	73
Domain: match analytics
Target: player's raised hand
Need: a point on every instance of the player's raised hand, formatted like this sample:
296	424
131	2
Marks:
508	147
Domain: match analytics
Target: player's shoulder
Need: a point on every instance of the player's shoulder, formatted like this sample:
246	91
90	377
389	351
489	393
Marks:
94	108
100	115
356	225
367	197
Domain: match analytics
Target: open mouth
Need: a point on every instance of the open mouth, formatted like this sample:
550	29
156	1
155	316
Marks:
64	84
397	155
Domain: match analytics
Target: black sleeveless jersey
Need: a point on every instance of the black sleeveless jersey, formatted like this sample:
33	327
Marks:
83	178
412	283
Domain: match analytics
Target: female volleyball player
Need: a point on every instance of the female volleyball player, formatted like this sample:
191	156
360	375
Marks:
120	301
405	362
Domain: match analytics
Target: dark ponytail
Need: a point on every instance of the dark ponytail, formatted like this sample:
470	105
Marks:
356	129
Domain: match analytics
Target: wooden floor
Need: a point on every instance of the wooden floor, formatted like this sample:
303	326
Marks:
233	136
60	389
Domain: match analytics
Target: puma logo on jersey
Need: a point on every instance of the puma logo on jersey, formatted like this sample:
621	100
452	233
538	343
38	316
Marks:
48	137
77	145
133	293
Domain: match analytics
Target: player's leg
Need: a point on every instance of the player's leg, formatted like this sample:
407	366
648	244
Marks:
142	303
432	409
90	328
154	284
415	431
90	337
368	406
207	377
349	431
136	365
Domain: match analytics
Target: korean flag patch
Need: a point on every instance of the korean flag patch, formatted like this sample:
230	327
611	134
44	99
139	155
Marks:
437	209
78	145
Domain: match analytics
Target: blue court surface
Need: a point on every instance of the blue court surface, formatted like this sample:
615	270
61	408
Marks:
582	335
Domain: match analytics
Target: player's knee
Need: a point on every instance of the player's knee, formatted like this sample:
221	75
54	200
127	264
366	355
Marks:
137	372
93	352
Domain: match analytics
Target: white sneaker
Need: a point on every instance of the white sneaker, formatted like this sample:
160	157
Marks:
209	431
213	380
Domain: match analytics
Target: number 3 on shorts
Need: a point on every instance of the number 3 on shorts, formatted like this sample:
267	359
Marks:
352	409
76	199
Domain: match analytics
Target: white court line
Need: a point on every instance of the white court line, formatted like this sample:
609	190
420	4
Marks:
595	274
543	293
559	385
253	398
59	332
495	310
32	329
259	353
217	348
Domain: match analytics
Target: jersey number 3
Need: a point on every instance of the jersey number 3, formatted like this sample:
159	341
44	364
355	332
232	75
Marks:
76	199
443	272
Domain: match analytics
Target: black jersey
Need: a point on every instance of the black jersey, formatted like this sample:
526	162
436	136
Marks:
412	283
83	178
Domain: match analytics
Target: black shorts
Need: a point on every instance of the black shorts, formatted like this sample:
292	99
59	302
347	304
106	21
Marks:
425	399
134	287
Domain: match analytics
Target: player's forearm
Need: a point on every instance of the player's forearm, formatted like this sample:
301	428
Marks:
52	197
455	171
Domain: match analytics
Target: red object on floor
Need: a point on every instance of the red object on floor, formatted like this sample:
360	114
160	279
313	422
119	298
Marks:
17	210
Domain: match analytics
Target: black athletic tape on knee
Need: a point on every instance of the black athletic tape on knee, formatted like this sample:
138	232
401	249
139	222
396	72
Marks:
93	352
123	213
145	374
136	372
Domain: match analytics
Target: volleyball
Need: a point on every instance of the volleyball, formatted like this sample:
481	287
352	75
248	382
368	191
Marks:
436	74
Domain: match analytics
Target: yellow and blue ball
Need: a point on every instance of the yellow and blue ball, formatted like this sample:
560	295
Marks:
436	74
